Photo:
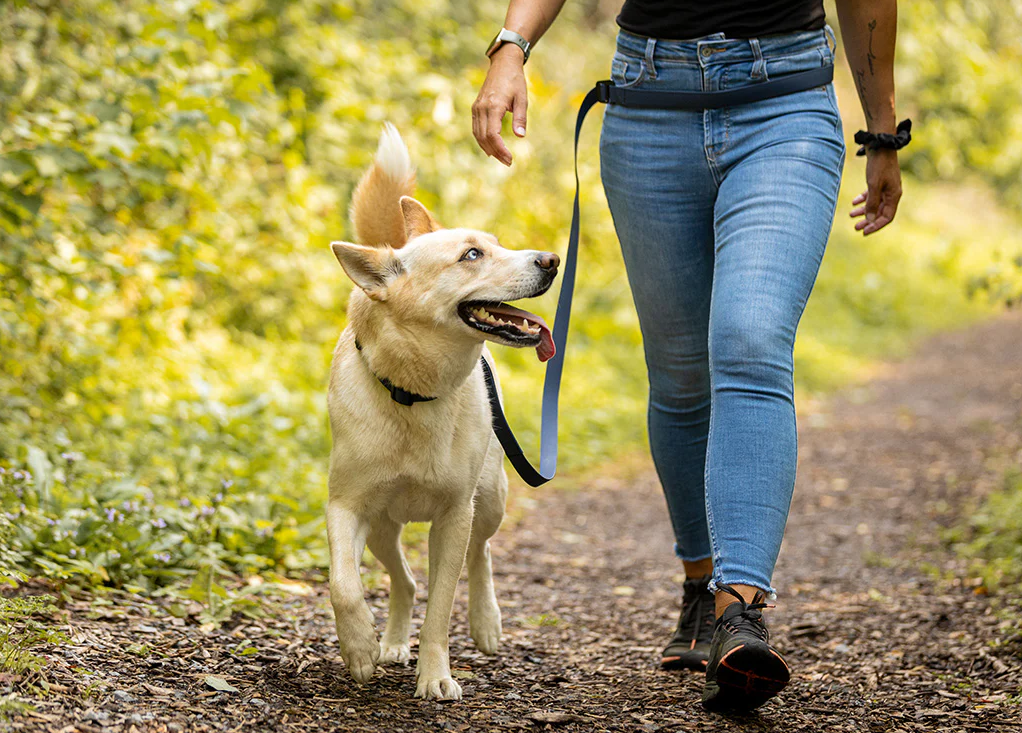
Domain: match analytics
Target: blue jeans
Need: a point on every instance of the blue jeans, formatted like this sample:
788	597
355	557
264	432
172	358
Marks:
723	217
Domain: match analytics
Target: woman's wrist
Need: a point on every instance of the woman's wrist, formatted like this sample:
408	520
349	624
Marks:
508	53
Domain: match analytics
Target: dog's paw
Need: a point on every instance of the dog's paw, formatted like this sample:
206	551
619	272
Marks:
444	688
360	653
362	666
484	626
487	640
395	653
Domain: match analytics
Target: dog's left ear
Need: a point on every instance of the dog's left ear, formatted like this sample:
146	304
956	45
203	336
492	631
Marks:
418	220
371	268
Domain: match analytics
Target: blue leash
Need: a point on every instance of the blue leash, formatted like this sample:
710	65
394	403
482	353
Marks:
606	93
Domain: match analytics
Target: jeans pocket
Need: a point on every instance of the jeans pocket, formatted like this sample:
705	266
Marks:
627	71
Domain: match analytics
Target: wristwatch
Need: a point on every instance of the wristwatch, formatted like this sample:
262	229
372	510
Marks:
506	36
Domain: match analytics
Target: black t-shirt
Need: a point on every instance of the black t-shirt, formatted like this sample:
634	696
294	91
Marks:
681	19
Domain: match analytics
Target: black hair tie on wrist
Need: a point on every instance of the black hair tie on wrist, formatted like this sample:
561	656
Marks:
885	140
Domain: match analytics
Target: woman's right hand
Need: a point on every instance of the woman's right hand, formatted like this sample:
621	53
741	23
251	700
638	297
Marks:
503	91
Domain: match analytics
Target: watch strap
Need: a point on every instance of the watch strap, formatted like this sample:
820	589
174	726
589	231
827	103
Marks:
509	36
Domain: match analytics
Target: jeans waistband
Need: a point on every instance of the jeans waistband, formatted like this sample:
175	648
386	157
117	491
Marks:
716	49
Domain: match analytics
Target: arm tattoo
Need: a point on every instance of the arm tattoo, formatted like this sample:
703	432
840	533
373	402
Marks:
870	56
860	79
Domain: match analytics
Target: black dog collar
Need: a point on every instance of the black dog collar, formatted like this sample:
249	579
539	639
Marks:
400	396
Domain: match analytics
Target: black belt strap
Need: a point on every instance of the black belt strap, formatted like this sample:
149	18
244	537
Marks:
605	92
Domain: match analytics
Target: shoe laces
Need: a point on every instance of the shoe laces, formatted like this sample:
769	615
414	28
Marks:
697	611
750	618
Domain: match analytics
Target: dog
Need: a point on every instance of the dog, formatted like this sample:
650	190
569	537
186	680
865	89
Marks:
410	417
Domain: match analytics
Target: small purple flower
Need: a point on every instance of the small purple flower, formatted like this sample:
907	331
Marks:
162	556
51	522
207	511
72	552
148	496
219	497
226	483
159	523
72	456
185	501
111	514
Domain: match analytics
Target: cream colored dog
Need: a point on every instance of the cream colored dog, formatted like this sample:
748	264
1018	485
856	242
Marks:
427	301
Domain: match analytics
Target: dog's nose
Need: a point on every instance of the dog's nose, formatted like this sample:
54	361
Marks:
547	261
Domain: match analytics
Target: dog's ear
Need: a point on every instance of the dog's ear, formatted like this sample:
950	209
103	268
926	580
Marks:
371	268
418	220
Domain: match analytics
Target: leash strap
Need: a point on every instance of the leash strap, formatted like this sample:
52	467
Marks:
605	92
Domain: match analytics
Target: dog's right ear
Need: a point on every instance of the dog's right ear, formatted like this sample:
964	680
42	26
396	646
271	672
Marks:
371	268
418	220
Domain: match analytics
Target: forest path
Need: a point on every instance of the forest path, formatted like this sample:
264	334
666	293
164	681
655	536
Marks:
589	587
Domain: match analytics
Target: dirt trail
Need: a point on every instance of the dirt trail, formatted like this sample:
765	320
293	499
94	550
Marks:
588	587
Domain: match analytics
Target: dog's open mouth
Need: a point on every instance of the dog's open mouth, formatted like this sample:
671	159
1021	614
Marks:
514	326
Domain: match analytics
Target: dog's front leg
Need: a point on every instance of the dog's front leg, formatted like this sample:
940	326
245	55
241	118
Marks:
356	630
448	541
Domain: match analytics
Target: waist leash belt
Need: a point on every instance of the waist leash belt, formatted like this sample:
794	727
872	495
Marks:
606	93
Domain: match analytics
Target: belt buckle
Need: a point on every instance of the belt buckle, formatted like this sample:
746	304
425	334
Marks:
603	91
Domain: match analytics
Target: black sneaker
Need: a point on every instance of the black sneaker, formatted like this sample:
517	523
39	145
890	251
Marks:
689	648
744	671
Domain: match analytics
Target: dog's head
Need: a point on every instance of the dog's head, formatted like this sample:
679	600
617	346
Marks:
454	280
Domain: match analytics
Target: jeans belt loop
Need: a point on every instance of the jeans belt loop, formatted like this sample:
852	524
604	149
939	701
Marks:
758	65
650	66
831	40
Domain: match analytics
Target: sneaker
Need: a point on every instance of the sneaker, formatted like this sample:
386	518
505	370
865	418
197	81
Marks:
744	671
689	648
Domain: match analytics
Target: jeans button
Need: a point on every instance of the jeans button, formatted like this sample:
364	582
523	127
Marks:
706	52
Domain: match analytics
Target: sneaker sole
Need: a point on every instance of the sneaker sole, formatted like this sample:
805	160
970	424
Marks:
747	677
687	660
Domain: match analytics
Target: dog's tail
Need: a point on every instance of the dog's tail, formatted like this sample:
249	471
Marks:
376	205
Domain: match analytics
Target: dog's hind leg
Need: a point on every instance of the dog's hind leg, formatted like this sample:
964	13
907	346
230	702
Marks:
483	611
448	541
385	544
356	630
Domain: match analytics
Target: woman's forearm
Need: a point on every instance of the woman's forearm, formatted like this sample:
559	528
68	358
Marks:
531	18
869	29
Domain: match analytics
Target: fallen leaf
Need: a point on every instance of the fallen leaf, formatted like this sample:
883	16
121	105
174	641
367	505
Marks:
218	683
553	718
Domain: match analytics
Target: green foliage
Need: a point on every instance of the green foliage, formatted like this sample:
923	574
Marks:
170	176
958	63
25	623
993	537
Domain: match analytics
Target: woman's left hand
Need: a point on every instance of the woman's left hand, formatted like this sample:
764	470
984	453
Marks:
882	194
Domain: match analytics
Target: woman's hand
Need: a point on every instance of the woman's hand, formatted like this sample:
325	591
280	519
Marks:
882	194
503	91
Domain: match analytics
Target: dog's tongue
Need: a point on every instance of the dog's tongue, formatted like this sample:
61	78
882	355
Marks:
546	349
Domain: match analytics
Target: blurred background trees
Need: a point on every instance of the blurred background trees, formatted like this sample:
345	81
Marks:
171	174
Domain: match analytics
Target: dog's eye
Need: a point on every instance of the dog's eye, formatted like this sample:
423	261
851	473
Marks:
471	254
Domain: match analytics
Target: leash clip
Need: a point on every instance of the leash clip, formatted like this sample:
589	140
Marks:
603	91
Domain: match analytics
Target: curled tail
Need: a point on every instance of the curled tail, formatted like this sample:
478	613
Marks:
376	205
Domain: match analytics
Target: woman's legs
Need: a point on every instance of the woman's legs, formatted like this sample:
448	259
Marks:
773	215
661	195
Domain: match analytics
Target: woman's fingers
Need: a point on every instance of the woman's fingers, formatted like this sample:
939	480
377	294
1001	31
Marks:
495	143
860	199
520	106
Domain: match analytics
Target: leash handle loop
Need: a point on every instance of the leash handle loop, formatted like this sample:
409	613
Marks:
554	367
